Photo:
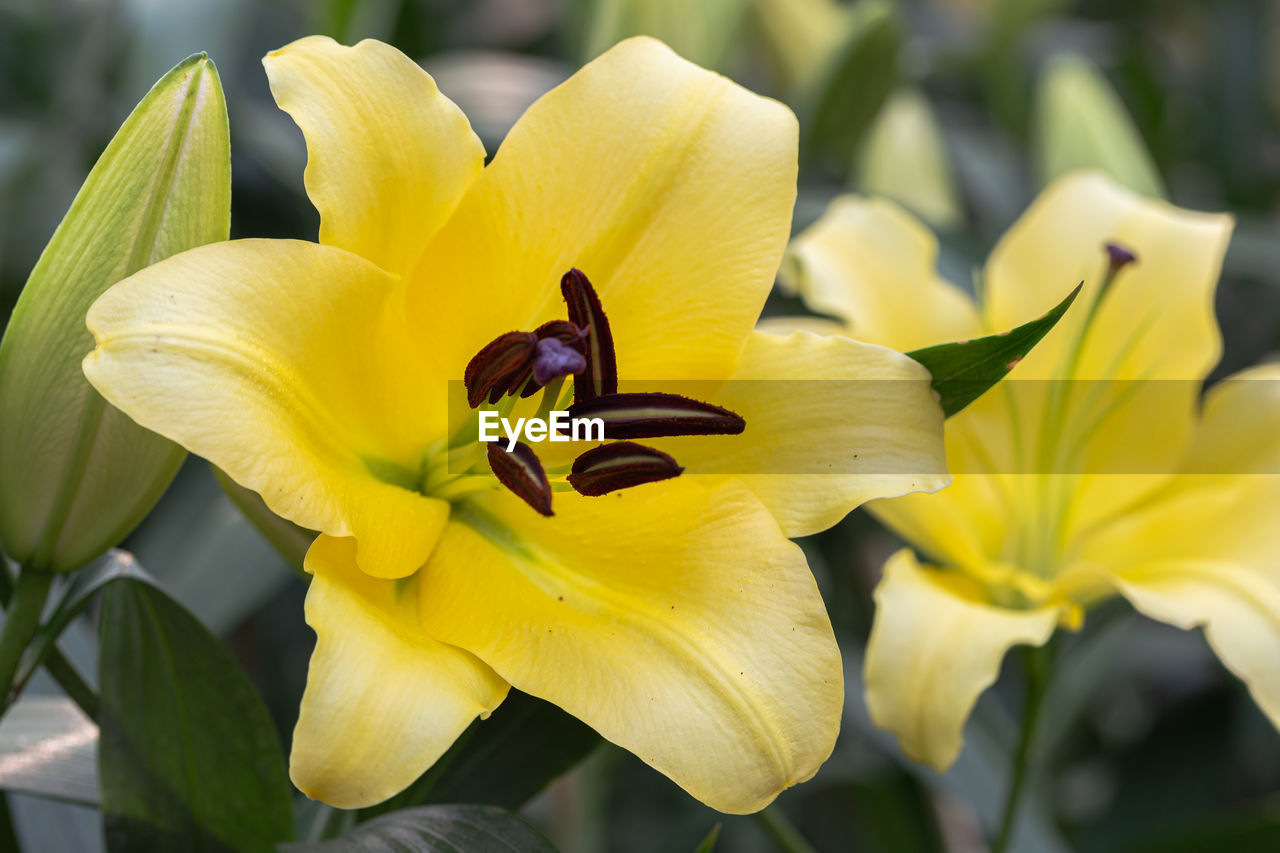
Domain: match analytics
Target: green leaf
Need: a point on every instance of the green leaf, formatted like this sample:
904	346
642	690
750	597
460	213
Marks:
1081	123
76	475
504	760
437	829
963	371
188	758
856	85
1253	831
708	844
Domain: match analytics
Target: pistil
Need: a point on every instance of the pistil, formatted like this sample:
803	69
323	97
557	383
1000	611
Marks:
1053	450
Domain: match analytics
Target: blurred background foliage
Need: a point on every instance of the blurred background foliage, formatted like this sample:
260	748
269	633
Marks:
959	109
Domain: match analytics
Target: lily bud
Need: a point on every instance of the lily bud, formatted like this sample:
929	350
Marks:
905	159
801	36
700	32
76	475
855	80
1081	123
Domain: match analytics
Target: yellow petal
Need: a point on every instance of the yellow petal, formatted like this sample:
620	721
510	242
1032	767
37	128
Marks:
970	522
871	264
388	156
1238	608
934	647
831	423
670	187
287	365
1239	430
675	620
1224	507
963	525
1199	517
383	699
1157	321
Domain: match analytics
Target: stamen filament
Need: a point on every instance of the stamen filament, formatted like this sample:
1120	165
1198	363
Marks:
465	486
1051	487
550	394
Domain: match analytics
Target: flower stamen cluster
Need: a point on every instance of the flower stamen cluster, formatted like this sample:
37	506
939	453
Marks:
517	364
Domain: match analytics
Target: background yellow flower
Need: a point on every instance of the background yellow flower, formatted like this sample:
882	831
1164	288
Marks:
1093	470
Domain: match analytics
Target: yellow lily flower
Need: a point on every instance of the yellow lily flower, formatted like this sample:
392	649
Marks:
1065	492
672	615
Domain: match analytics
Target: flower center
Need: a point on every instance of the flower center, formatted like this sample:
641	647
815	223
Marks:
1062	438
518	365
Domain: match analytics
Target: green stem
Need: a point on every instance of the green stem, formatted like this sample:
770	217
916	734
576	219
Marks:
22	617
783	831
336	822
8	834
1039	666
62	670
75	685
550	395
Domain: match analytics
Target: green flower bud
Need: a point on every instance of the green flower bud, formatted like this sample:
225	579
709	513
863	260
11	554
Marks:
701	32
1081	123
76	475
802	36
855	81
904	158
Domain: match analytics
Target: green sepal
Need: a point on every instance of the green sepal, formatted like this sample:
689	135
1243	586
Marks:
963	371
76	475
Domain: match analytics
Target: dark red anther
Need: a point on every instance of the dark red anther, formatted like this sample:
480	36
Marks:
496	369
585	312
564	331
620	465
522	473
652	414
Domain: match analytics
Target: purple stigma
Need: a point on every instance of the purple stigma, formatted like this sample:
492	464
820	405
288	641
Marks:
553	359
1119	257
